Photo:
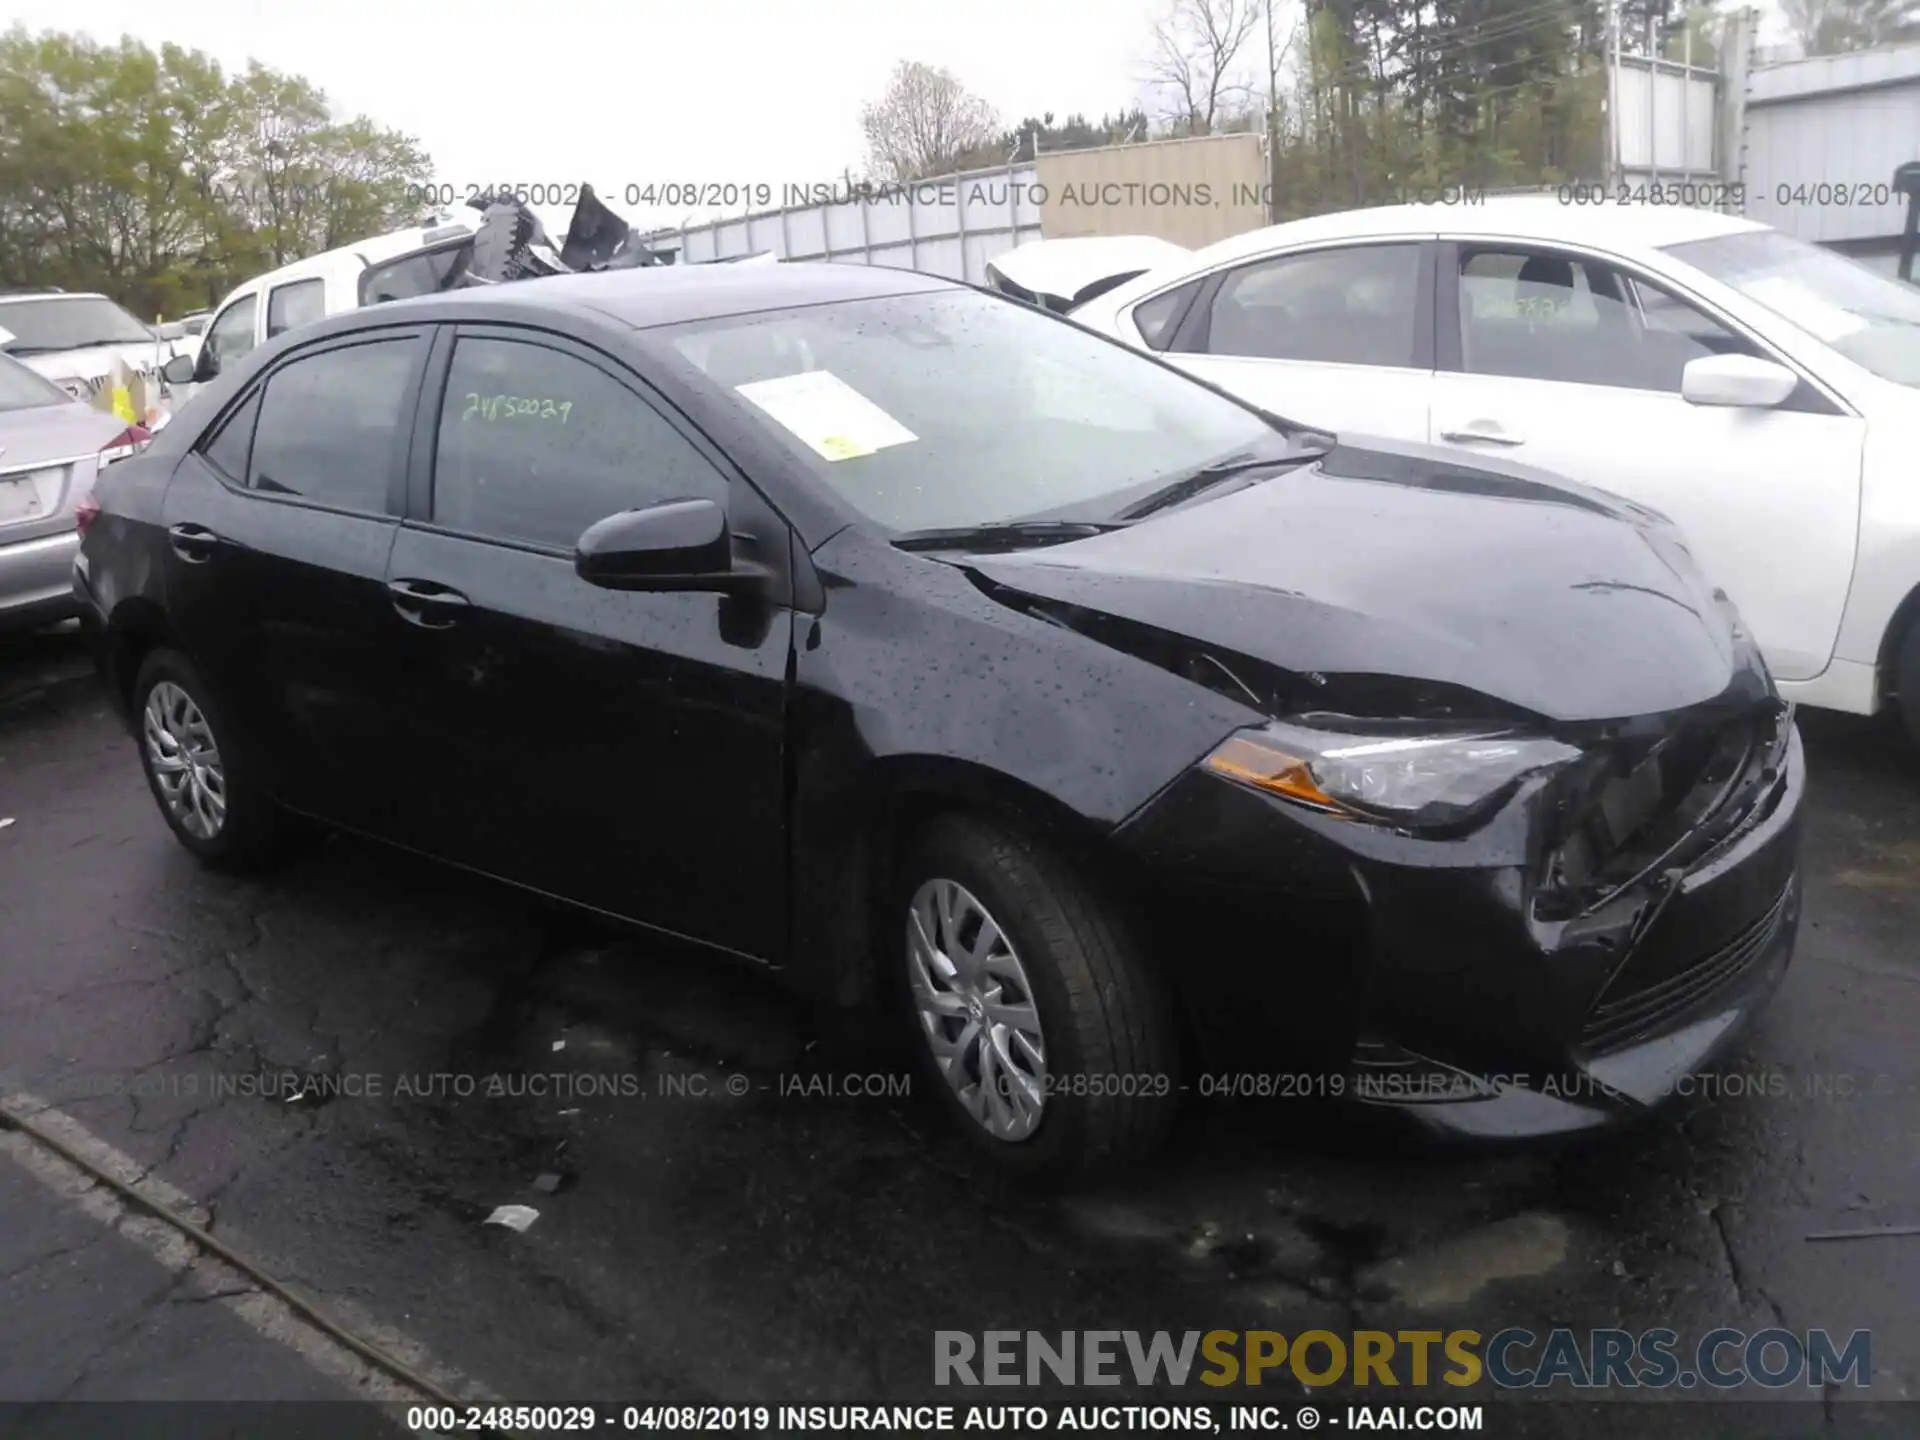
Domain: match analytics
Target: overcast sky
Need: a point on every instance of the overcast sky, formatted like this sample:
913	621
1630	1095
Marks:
696	91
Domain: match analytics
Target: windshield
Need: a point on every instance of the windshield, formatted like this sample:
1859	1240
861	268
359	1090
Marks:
21	389
1873	321
69	322
955	409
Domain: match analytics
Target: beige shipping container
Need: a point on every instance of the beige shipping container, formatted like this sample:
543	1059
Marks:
1191	192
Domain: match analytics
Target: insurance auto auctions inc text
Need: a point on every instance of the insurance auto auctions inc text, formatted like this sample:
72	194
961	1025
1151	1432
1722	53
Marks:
1510	1359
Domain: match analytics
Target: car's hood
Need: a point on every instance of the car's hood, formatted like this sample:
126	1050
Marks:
1389	560
1068	271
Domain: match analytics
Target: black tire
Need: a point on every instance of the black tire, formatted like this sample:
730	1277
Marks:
1107	1022
253	830
1906	679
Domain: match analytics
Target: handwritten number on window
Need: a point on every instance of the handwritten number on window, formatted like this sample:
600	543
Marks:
513	407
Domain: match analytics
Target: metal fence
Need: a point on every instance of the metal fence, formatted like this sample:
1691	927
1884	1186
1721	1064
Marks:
948	226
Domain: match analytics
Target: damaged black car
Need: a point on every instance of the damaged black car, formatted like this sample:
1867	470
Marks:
1118	742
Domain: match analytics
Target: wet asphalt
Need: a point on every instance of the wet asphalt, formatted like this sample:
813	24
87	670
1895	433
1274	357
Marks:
352	1062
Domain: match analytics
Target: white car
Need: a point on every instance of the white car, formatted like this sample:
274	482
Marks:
74	339
1759	391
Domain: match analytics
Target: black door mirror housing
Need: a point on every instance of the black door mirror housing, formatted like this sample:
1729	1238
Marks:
676	545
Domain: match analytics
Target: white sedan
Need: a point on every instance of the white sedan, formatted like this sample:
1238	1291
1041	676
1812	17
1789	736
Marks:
1761	392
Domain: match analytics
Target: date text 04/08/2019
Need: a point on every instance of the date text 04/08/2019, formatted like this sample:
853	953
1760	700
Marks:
837	1419
942	1419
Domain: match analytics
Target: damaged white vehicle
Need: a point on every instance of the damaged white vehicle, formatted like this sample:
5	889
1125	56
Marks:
1060	274
505	242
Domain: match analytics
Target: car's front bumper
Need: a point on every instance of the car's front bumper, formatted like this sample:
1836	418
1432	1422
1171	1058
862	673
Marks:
1320	957
36	580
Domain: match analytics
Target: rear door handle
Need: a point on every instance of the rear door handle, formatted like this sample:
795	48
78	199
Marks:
193	543
1482	432
426	604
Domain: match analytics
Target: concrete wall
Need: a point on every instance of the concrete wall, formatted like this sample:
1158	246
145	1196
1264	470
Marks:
1191	192
1823	137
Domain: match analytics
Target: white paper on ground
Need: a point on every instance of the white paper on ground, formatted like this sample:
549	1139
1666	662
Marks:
833	419
514	1217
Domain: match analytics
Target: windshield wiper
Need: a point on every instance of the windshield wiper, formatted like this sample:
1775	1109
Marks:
1208	476
1004	534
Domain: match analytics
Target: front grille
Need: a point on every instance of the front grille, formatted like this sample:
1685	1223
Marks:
1659	804
1635	1003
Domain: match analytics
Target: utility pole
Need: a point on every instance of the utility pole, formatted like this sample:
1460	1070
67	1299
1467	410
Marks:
1273	122
1613	95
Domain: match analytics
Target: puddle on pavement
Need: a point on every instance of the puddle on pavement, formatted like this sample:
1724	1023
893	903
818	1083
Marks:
1458	1268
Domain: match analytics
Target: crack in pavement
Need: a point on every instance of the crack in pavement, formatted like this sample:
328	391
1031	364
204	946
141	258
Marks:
115	1335
1736	1272
41	1259
40	999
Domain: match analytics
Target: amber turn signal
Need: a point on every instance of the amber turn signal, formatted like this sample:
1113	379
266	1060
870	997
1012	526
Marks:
1266	768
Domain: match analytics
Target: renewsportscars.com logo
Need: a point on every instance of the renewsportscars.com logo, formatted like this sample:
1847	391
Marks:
1513	1359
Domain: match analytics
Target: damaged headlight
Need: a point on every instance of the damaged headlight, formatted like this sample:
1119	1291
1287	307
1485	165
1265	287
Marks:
1417	781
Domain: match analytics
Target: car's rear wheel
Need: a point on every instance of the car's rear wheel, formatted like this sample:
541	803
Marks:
1906	679
1037	1019
196	768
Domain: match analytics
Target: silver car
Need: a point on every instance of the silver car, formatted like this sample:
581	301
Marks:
52	447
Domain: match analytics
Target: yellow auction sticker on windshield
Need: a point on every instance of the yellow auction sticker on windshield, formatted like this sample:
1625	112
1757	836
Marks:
832	418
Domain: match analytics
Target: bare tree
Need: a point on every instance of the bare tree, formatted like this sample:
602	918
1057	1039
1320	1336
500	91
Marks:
1192	63
924	124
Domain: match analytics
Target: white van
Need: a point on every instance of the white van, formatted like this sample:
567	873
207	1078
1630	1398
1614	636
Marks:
416	261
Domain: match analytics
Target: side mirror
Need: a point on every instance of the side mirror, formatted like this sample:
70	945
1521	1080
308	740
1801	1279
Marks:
178	370
678	545
1744	381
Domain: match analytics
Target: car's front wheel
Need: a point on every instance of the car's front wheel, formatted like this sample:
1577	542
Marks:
195	767
1038	1019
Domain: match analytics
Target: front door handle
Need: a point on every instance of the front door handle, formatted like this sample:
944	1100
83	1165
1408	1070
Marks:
1482	432
193	543
426	604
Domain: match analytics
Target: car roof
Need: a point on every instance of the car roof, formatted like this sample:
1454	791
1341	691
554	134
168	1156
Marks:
1625	228
647	296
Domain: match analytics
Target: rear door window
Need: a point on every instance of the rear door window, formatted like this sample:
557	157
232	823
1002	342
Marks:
1356	305
329	425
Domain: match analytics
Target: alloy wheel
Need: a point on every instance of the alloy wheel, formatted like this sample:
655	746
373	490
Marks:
185	760
977	1009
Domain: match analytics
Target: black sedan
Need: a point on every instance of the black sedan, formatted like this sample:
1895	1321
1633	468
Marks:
1120	740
